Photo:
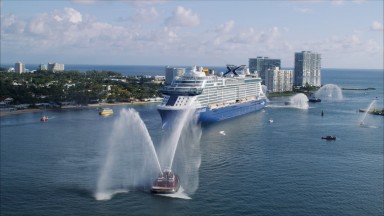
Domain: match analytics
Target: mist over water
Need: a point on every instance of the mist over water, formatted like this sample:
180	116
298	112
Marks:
299	101
179	149
329	92
133	162
187	159
369	108
170	138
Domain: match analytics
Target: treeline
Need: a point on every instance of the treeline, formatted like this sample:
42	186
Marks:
74	86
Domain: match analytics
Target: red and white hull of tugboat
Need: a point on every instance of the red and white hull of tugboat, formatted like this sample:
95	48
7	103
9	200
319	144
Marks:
166	183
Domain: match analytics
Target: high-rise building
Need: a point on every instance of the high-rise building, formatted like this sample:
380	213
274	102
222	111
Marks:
19	67
307	69
170	73
55	67
42	67
279	80
260	65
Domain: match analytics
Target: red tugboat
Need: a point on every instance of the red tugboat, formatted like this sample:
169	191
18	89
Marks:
44	119
166	183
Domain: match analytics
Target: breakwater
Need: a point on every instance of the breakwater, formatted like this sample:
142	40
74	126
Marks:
358	89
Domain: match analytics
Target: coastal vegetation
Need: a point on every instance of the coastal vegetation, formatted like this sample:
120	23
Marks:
74	87
307	89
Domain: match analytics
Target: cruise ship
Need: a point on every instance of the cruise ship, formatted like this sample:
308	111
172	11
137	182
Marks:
215	97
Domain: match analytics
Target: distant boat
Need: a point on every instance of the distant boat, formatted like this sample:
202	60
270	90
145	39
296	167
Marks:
44	119
314	99
288	103
222	132
166	183
106	112
329	137
270	120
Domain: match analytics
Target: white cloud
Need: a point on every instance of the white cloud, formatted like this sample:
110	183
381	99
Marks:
303	10
252	36
142	3
84	1
72	33
38	26
347	44
55	23
145	15
338	2
72	15
377	26
12	25
138	3
183	17
359	1
226	27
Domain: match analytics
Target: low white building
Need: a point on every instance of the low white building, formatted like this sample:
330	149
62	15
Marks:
55	67
279	80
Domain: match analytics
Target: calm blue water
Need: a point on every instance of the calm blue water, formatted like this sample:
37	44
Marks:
257	168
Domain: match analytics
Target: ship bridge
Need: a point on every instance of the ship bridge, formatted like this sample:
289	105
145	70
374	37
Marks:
191	83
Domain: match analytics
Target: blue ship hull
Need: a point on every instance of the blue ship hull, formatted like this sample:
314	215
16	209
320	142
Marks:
207	115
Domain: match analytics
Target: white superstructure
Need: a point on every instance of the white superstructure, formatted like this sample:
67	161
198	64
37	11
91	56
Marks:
209	92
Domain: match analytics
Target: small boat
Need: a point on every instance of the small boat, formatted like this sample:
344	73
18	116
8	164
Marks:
166	183
314	99
329	137
44	119
106	112
270	120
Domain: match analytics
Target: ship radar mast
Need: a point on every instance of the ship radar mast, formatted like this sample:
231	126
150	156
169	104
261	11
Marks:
232	69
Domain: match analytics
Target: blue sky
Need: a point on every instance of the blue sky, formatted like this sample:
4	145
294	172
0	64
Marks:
348	34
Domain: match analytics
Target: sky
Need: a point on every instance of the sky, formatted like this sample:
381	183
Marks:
347	33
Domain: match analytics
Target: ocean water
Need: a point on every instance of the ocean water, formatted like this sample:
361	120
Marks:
256	168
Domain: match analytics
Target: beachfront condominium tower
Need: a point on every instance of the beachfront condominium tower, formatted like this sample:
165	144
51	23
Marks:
278	80
19	67
260	65
307	69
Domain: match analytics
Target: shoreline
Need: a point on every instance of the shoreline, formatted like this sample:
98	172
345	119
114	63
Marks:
17	112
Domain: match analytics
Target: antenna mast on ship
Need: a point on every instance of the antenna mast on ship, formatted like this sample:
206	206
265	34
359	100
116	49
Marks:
233	68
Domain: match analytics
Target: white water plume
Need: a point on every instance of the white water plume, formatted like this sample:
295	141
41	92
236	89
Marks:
299	101
330	92
180	147
133	163
179	194
131	160
369	108
187	159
